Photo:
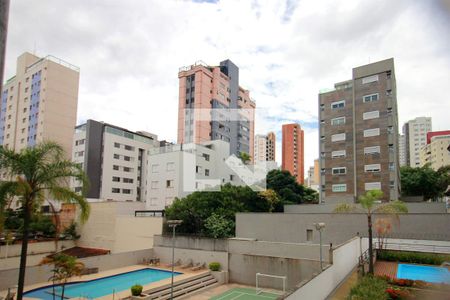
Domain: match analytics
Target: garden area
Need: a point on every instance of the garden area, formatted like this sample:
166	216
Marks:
387	285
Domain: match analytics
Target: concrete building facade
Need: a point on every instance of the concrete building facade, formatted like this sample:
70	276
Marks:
359	135
265	147
436	152
293	159
415	133
313	180
204	89
401	150
39	103
114	160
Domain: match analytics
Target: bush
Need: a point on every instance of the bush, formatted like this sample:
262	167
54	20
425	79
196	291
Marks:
398	294
412	257
369	287
136	290
214	266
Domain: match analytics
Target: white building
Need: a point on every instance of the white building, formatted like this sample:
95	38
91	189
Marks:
401	150
114	160
264	147
175	171
437	150
415	132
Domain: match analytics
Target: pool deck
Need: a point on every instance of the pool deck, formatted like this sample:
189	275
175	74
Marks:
186	274
386	268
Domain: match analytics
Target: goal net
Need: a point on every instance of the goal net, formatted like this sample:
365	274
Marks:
275	282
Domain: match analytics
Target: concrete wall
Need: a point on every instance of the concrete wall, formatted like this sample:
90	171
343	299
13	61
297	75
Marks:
345	259
422	207
187	242
34	248
111	227
291	228
38	274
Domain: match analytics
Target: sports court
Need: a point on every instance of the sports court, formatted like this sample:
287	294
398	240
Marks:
245	294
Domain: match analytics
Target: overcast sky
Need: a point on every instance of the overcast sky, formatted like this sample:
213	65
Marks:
129	53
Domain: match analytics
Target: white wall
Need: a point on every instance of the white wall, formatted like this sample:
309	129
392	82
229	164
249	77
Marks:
34	248
345	259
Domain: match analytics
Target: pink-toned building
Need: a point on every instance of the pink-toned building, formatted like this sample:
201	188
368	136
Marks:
212	106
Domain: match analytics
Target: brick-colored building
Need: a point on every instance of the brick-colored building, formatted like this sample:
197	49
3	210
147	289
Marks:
359	135
204	88
265	147
293	151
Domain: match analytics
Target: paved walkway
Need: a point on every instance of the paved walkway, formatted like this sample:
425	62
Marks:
343	290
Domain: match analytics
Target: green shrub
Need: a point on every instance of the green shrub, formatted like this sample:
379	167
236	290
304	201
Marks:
136	290
413	257
369	287
214	266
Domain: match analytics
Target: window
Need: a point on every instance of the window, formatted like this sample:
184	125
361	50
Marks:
170	166
231	177
370	79
371	132
126	169
116	179
391	166
127	180
338	137
116	156
116	167
370	98
338	153
206	156
372	150
371	115
129	148
337	188
338	121
339	171
116	145
372	186
309	235
115	190
79	153
79	142
127	158
154	184
169	183
198	169
390	129
126	191
338	104
392	184
373	168
155	168
206	172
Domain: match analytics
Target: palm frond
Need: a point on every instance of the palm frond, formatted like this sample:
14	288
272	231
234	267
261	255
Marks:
66	195
345	208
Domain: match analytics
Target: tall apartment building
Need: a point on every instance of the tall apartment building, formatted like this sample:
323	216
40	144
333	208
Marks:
293	151
415	132
313	176
265	147
437	150
359	135
39	103
402	150
205	88
114	159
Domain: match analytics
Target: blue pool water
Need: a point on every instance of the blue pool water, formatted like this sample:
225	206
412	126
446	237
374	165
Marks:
103	286
425	273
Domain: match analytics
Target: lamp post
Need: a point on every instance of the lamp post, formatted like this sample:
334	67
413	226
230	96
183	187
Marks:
173	224
320	227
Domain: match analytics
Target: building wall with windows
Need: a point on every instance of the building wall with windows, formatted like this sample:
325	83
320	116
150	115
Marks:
39	103
359	135
114	159
265	147
202	88
415	132
437	150
402	150
293	151
178	170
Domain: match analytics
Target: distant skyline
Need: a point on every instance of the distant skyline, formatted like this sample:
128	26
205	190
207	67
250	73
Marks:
129	54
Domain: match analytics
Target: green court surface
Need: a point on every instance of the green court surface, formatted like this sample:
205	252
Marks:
245	294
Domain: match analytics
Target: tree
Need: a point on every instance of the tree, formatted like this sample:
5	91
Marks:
37	173
369	206
289	190
245	157
65	267
217	226
424	181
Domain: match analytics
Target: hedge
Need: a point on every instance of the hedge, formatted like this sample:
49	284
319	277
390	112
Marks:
413	257
369	287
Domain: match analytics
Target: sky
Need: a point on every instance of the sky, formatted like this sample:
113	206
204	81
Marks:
129	53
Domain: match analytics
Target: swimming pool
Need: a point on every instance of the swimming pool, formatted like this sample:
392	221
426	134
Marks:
103	286
425	273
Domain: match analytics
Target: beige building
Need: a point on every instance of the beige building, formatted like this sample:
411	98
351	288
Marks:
265	147
39	103
415	138
437	150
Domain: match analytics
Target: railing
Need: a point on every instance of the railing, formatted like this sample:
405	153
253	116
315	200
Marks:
149	213
417	247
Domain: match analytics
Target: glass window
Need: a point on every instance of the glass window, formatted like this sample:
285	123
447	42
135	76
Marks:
115	190
338	121
338	137
373	168
370	79
338	104
339	171
338	153
372	150
371	115
169	183
372	186
370	98
372	132
337	188
116	179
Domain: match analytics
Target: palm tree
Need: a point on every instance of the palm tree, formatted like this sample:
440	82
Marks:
37	173
369	206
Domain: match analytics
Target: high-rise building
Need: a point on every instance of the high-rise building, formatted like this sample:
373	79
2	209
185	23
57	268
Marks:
265	147
39	103
415	132
402	150
204	89
436	152
313	176
293	151
114	159
359	135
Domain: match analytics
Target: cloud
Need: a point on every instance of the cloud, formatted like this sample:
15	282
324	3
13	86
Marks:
130	52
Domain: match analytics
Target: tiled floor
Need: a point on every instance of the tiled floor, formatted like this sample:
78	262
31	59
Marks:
386	268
